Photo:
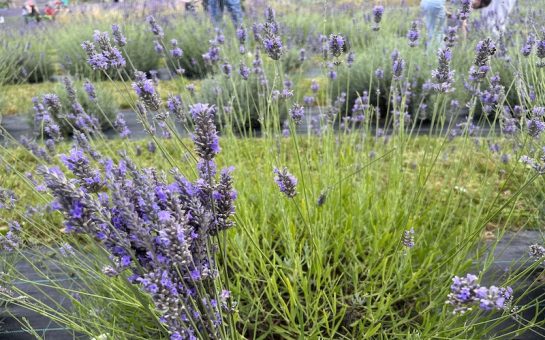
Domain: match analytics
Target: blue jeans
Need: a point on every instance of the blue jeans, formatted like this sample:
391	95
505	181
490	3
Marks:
434	18
215	7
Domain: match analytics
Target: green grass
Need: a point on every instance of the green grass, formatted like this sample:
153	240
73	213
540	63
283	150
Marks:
339	269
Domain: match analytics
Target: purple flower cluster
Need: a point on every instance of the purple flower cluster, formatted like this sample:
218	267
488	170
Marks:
528	46
378	11
466	292
176	52
104	55
12	240
155	28
484	50
121	126
413	35
146	91
176	107
465	9
337	45
160	232
119	38
268	35
7	199
540	50
408	238
297	113
205	137
443	76
287	183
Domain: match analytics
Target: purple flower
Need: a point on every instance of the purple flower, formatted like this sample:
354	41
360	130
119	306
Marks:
241	35
526	50
466	292
205	136
413	35
465	9
90	90
244	71
484	50
314	86
273	47
154	26
297	113
286	182
535	127
408	238
378	11
146	92
119	38
337	45
121	126
443	77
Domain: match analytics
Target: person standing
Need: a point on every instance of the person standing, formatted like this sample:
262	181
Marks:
434	13
215	7
496	16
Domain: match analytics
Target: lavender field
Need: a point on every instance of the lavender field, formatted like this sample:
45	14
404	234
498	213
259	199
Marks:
320	170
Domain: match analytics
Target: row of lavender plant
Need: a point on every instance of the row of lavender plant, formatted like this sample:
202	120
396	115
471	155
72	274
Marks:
164	233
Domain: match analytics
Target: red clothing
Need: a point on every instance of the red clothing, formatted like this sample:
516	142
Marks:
49	11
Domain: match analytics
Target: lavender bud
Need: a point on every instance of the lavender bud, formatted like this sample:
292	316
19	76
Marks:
286	182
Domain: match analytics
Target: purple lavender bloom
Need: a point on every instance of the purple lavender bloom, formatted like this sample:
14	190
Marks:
145	91
331	73
175	106
451	36
350	58
119	38
241	35
158	47
297	113
52	103
287	183
443	77
7	199
314	86
466	292
121	126
12	240
540	51
90	90
337	45
465	9
155	28
176	53
398	66
526	50
227	69
309	100
205	136
535	127
484	50
413	35
408	238
378	11
151	147
379	73
244	71
302	55
273	47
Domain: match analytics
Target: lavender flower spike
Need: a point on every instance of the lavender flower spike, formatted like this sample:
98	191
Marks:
205	137
378	11
443	77
287	183
297	113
